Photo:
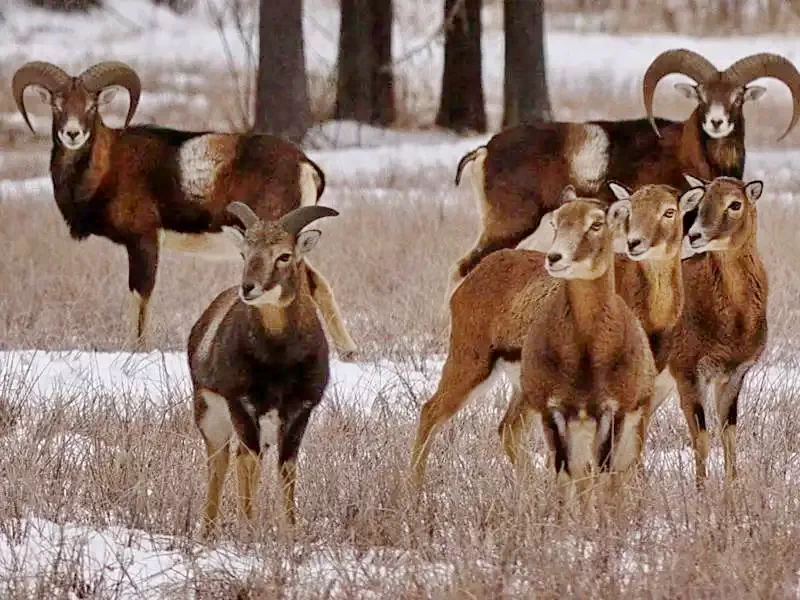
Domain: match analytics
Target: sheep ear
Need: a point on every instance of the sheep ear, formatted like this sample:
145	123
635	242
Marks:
691	199
694	181
753	92
688	90
620	191
754	189
568	194
107	95
618	212
306	240
234	234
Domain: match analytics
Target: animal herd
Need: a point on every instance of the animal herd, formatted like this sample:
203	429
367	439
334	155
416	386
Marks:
616	263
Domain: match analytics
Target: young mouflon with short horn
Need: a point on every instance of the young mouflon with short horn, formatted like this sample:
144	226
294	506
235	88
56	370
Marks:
517	175
150	188
258	357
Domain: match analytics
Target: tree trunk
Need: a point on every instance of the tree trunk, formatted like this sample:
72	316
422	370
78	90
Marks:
365	86
66	5
461	104
282	106
525	78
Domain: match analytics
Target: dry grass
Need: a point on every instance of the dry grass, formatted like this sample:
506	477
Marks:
100	459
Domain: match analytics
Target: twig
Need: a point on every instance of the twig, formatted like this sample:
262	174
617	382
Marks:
445	25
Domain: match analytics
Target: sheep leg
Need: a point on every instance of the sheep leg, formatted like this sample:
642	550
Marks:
323	296
691	396
461	379
212	418
288	447
728	409
247	466
514	430
142	269
218	460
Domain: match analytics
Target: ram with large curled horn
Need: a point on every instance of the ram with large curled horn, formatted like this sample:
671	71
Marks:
517	174
148	187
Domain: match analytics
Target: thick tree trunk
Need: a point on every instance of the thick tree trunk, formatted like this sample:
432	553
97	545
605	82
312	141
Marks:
282	106
525	79
461	105
365	86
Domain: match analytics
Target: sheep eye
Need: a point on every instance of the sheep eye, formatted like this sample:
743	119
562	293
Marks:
670	212
735	205
284	258
596	226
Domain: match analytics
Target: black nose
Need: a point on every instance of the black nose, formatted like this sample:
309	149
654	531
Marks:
693	237
633	244
554	257
73	134
247	288
716	123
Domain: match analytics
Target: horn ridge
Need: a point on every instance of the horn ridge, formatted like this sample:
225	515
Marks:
244	213
37	72
294	221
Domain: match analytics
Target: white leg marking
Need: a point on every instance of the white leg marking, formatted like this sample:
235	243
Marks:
627	443
309	184
216	423
199	160
213	246
135	306
580	447
664	386
269	425
204	347
589	162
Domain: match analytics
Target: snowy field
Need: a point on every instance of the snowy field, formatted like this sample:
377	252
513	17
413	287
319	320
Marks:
101	470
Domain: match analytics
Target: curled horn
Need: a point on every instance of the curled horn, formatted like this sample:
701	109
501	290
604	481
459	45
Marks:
244	213
295	220
108	73
681	61
765	64
45	74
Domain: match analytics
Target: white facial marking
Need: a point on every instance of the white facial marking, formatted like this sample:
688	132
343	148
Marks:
72	134
200	160
212	246
216	423
589	163
271	296
627	442
717	123
269	425
204	347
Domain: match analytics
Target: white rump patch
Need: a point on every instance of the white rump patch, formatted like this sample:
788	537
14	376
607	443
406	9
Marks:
200	159
269	425
209	335
216	423
212	246
627	442
542	239
589	161
309	184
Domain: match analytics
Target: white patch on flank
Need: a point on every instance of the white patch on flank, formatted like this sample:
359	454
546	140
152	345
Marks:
204	347
580	446
212	246
627	445
269	425
199	160
589	163
216	423
309	184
